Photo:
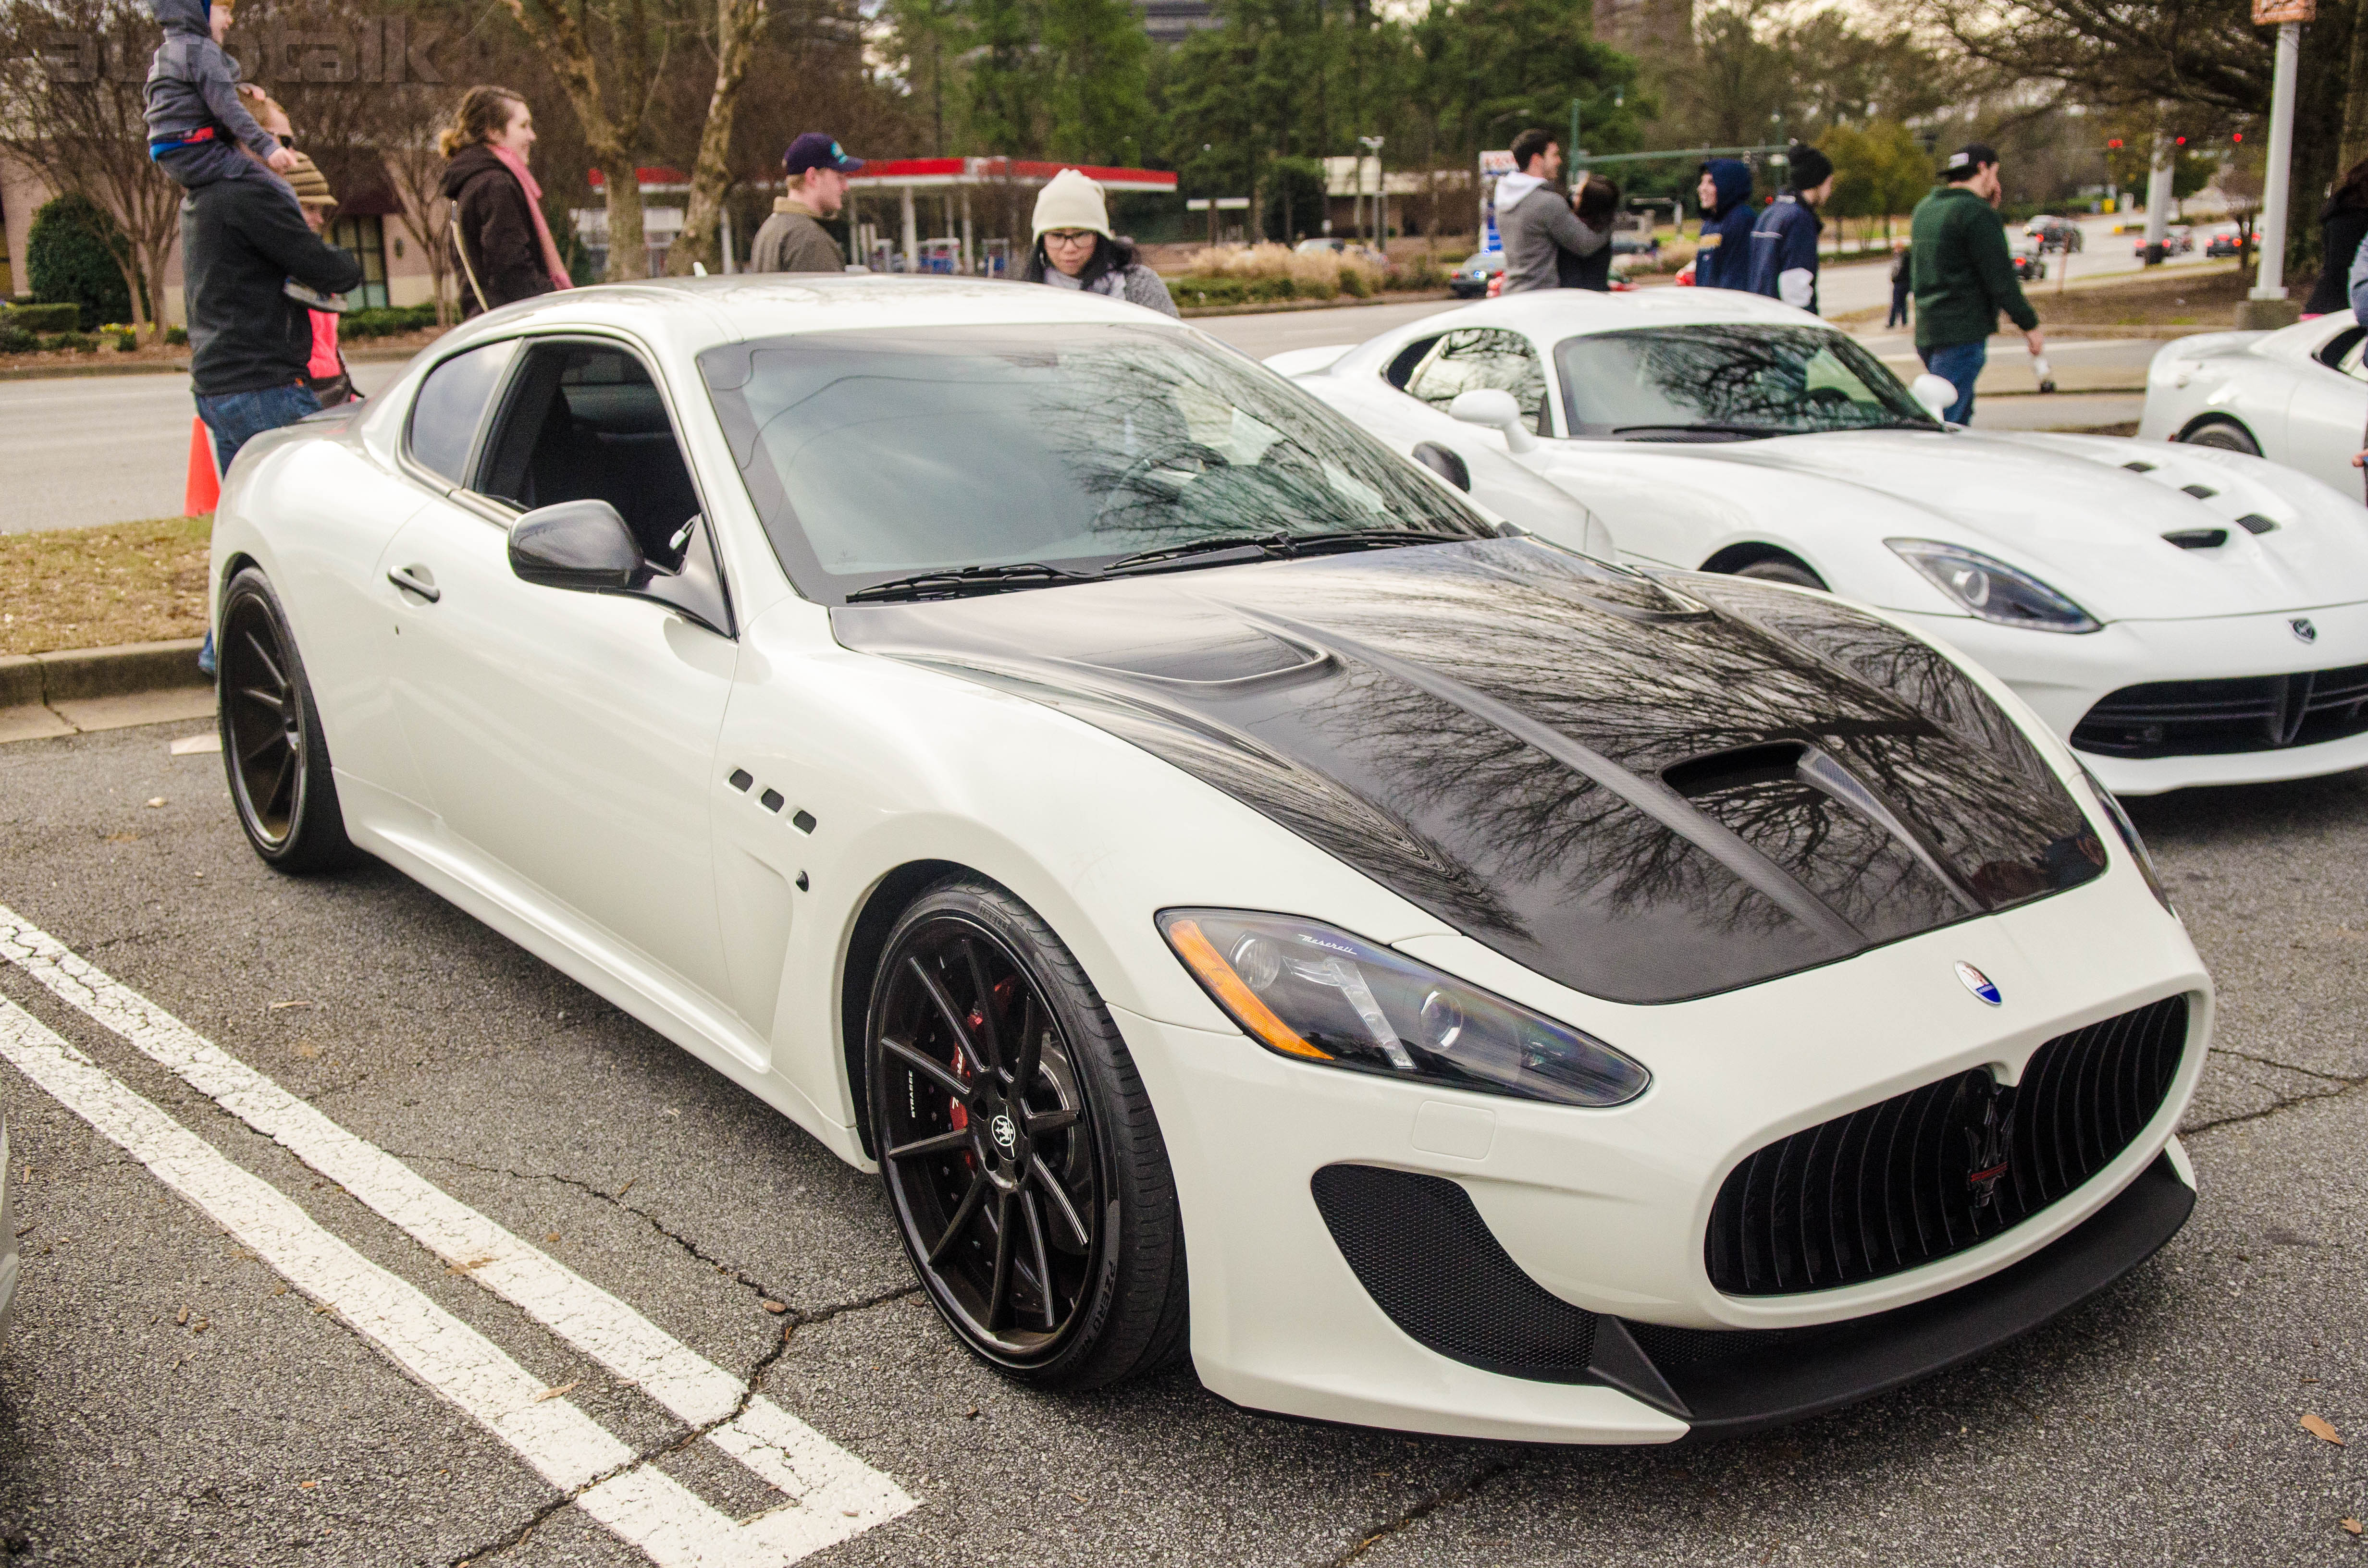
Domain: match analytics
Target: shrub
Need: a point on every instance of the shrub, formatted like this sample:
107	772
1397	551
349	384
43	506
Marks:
1316	288
386	322
17	340
1354	284
70	256
177	336
73	342
63	316
1424	271
1273	261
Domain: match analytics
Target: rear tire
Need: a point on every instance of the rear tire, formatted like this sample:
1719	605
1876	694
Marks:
2224	434
1782	569
1018	1148
273	751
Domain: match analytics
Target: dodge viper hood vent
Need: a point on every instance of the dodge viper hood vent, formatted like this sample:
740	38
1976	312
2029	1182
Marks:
1642	794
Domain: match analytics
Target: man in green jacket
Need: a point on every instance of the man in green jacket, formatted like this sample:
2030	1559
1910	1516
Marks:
1964	275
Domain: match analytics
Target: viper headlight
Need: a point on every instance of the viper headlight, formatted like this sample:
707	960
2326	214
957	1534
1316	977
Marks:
2129	832
1314	992
1991	588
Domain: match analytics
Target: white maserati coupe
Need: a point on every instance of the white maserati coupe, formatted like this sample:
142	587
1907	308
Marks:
1244	901
2181	615
2297	396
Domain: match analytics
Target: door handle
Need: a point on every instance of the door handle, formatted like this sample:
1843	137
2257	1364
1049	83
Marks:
416	580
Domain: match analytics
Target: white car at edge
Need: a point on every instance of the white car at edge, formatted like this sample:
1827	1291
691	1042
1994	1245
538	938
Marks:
2182	614
1243	904
2297	396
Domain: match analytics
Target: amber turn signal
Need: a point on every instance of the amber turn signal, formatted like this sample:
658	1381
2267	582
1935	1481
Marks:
1198	952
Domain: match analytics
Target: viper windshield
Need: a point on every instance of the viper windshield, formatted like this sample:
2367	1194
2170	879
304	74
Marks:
1735	382
929	462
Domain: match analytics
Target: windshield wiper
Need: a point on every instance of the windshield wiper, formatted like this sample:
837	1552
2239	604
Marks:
1367	538
1713	429
1269	545
954	584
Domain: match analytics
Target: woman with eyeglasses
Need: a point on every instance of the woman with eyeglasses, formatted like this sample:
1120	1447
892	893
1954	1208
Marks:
1074	248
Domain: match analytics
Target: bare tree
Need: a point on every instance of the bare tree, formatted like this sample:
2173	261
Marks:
737	26
71	102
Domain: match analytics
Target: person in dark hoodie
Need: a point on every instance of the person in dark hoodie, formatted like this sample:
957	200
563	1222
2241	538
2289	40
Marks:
2342	226
1597	203
505	247
1723	257
198	130
1784	239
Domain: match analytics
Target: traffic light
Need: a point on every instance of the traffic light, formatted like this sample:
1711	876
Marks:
2181	140
2237	136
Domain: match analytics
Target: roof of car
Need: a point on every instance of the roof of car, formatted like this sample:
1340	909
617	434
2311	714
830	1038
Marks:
1552	314
688	314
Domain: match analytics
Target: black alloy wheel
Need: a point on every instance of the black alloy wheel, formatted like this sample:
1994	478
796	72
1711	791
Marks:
2224	434
1782	569
272	748
1018	1148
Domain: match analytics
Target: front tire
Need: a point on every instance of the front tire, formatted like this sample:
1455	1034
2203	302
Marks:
1018	1148
272	747
2224	434
1782	569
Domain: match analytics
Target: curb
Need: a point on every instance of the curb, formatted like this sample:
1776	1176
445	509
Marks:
74	675
72	373
1286	307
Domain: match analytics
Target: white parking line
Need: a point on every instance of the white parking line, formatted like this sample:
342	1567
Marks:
835	1495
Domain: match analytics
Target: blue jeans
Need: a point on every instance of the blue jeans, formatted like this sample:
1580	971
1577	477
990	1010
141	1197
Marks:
1959	365
236	418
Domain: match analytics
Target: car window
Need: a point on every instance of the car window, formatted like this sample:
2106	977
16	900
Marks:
2345	352
584	421
1402	364
1484	357
1721	382
877	455
451	405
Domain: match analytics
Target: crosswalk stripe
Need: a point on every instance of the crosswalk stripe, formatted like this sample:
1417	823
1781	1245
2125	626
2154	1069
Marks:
837	1496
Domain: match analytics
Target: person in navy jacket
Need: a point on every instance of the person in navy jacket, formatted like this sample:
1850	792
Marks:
1784	241
1723	260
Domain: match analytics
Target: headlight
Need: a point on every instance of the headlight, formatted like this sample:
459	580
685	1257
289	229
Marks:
1314	992
1991	588
2129	832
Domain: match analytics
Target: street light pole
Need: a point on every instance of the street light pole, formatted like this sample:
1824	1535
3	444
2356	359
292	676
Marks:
2268	306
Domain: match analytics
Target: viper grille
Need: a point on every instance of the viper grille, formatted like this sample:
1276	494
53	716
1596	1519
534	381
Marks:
1918	1176
1428	1260
2213	718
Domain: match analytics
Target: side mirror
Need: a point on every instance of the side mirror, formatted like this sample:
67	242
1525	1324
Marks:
1493	408
582	545
1934	393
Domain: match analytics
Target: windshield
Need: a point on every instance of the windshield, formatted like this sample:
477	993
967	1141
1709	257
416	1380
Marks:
1727	382
995	457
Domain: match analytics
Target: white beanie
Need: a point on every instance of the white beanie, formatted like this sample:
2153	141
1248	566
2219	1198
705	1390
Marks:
1070	200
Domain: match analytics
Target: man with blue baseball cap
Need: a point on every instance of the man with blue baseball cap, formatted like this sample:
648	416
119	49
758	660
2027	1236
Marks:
793	238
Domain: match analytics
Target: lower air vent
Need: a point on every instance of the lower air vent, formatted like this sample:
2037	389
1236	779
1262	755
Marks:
1428	1260
2214	717
1941	1168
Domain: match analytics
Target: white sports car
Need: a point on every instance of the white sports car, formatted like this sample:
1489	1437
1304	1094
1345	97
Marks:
1243	903
2181	615
2297	396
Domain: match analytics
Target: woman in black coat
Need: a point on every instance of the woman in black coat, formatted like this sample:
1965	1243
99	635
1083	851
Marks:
505	251
2342	225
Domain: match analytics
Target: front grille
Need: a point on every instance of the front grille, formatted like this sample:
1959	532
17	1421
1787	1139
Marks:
1429	1261
2212	718
1933	1171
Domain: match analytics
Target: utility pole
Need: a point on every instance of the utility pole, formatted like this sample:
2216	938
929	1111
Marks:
1570	153
2267	305
1374	224
2157	225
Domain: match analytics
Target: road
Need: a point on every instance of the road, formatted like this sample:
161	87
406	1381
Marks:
168	1400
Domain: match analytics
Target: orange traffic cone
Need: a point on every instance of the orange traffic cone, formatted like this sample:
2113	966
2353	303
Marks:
204	488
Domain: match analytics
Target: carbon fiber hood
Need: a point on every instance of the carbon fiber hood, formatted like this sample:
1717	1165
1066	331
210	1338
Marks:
1645	788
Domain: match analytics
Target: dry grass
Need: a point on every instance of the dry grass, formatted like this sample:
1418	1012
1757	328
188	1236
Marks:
95	587
1249	263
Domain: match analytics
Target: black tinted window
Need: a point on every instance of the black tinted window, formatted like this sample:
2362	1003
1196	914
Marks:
451	404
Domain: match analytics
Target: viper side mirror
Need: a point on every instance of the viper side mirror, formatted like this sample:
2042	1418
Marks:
1493	408
1934	393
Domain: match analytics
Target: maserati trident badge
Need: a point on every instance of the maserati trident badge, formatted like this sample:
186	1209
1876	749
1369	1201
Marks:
1989	1141
1977	983
2303	627
1004	1132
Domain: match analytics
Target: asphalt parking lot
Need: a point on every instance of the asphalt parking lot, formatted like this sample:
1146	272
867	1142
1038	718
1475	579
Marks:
168	1397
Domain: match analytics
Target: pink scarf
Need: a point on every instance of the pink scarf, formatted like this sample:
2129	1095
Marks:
517	165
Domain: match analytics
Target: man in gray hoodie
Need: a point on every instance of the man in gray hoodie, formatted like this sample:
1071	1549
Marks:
1535	219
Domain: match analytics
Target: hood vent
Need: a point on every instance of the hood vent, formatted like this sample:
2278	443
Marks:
2200	492
2254	523
2136	467
2198	538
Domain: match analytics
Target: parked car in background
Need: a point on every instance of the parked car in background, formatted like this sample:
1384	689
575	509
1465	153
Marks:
2178	618
2177	240
2052	232
2223	243
2029	265
1362	251
2297	396
1470	278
